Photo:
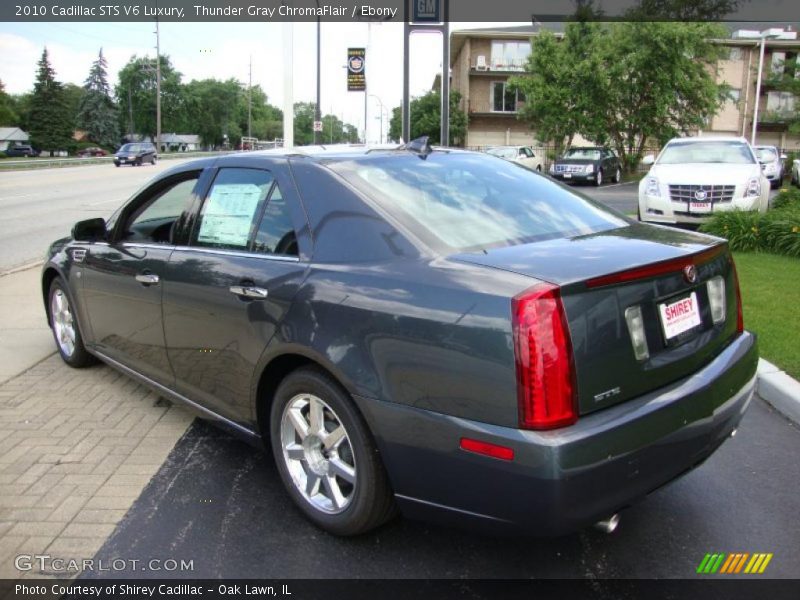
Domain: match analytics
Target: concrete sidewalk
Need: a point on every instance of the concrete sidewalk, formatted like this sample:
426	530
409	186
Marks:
77	446
25	338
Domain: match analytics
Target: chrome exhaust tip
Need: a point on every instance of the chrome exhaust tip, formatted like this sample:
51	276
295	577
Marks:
608	525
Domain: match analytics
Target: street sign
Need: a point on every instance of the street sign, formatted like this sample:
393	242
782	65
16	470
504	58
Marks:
425	11
317	125
356	74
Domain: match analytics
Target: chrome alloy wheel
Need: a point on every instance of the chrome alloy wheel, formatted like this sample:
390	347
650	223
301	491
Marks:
318	453
63	323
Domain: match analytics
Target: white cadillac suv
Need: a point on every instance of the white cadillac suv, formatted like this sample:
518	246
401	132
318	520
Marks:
694	177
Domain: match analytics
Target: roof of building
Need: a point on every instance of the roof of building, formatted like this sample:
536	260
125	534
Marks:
13	134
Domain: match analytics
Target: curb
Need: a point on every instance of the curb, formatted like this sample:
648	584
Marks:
21	268
779	390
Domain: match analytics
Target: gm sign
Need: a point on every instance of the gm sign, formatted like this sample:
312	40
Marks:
425	11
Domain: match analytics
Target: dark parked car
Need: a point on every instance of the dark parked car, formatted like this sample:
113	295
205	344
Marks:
94	151
430	330
21	150
595	165
136	154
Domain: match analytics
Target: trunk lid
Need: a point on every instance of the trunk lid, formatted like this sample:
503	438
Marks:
596	298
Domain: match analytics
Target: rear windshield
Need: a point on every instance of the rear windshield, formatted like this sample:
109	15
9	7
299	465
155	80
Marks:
583	153
135	148
733	152
471	201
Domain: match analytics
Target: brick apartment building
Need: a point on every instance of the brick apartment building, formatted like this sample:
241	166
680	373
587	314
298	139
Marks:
482	61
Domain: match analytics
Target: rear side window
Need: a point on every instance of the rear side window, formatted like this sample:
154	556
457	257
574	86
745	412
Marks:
232	207
245	210
467	201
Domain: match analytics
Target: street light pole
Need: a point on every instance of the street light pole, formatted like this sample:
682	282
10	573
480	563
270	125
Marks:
383	108
317	111
158	89
758	87
768	34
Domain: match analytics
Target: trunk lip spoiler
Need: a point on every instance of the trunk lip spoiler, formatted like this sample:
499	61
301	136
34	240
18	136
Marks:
672	265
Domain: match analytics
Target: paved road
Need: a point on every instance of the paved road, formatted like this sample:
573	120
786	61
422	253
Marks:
221	503
41	205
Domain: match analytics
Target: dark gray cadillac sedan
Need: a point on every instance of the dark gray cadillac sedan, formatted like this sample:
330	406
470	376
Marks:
435	331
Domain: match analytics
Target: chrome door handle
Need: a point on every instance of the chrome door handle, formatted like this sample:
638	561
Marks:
147	278
248	291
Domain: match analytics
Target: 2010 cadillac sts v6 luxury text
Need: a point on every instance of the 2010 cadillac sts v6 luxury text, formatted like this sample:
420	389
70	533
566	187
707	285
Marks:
437	331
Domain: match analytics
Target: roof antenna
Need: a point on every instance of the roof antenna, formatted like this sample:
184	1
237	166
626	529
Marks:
419	146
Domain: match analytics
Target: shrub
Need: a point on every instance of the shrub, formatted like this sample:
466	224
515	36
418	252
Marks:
787	196
776	231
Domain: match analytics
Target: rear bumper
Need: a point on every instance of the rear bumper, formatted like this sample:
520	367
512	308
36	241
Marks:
563	480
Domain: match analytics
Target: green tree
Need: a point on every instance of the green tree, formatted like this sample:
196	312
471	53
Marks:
426	119
8	115
624	84
303	123
783	78
136	96
97	113
49	121
213	107
266	119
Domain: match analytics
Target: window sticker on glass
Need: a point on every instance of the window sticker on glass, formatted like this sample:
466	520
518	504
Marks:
228	214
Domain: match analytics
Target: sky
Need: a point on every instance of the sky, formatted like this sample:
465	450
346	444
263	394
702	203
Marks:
222	51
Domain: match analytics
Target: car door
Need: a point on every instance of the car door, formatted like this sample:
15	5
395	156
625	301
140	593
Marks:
123	278
230	286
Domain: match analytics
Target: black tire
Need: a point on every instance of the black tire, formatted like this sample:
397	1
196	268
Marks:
538	168
116	165
598	179
79	357
371	501
617	175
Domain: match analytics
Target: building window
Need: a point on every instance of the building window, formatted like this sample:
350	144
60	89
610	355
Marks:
777	63
505	99
780	102
510	56
735	54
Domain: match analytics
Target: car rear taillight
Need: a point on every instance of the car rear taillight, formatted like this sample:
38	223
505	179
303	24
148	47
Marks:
739	314
546	388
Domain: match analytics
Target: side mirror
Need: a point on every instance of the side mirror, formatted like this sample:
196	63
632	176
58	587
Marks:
89	230
649	160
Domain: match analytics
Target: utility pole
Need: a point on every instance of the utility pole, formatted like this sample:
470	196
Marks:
250	99
366	93
158	88
130	114
318	109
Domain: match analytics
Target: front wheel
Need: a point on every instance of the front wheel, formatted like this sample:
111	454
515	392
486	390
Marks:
65	328
326	456
617	175
598	180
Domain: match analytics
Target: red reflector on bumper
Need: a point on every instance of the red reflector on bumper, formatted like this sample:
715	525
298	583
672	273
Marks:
487	449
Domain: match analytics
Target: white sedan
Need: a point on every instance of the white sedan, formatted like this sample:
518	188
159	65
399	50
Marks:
523	155
694	177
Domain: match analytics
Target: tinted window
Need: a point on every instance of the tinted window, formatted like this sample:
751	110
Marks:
153	220
232	208
467	201
275	233
583	153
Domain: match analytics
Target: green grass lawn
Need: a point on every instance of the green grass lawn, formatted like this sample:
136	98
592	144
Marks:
771	298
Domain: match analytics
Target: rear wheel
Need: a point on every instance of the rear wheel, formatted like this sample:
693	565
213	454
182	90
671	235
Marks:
598	180
64	325
617	175
326	456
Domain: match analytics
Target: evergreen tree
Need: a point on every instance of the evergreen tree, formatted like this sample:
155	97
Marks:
7	115
50	124
97	113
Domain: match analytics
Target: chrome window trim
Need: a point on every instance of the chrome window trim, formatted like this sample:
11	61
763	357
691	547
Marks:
240	253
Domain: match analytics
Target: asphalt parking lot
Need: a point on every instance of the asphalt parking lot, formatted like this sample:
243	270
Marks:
220	503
